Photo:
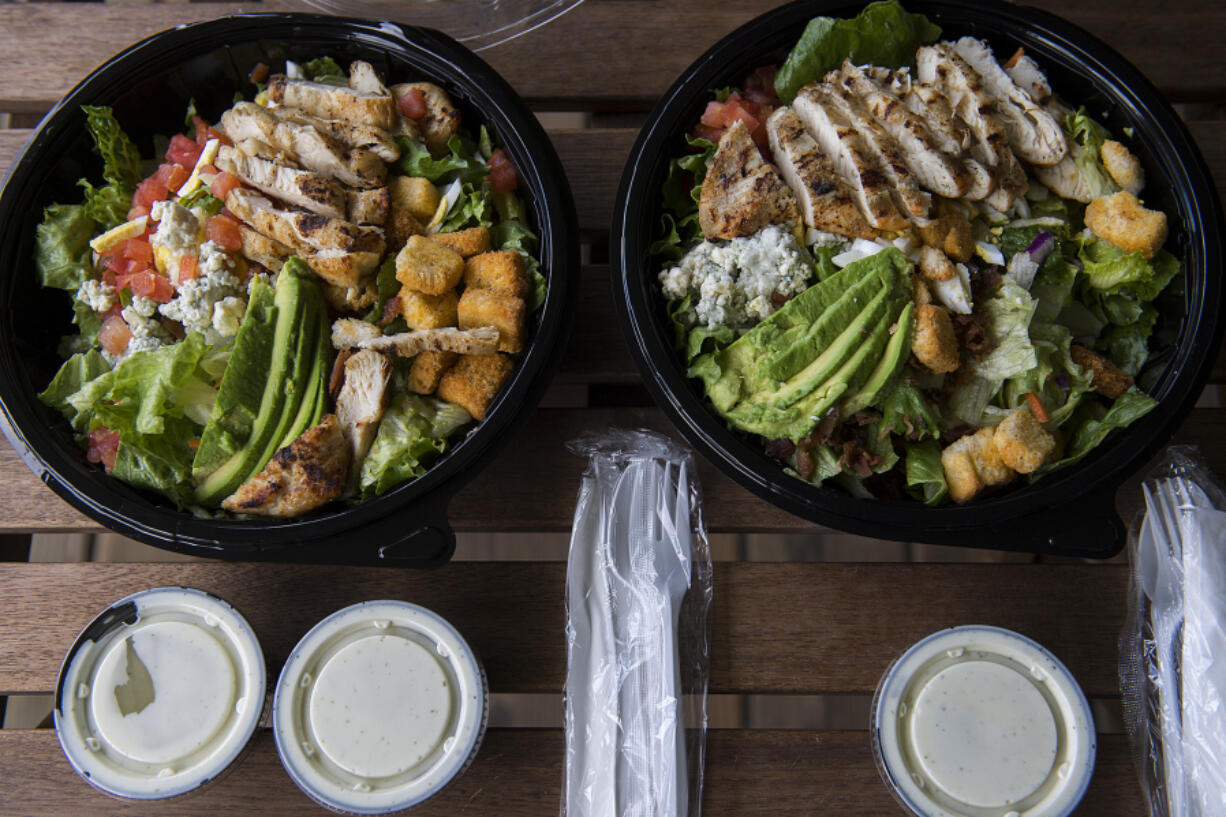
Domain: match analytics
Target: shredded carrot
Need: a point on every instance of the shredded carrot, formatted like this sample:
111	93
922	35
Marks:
1017	55
1036	407
193	444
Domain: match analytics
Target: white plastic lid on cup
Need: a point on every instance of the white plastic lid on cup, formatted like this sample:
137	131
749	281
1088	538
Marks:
380	705
980	721
160	693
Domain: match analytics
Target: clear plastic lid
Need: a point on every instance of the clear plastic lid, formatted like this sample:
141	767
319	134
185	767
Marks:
981	721
479	24
380	705
160	693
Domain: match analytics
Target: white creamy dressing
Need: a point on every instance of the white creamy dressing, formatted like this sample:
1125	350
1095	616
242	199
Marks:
380	705
980	721
160	705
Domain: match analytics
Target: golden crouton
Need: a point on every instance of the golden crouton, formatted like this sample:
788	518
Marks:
422	311
474	380
950	231
1108	379
467	243
401	226
1120	219
428	368
414	195
1022	442
1123	167
919	291
428	267
972	465
502	271
934	343
488	307
935	265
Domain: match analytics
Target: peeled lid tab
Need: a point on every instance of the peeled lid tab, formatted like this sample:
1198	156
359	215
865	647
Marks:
160	693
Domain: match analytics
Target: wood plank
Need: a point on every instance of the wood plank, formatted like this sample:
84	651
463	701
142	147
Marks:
531	485
778	628
602	53
518	773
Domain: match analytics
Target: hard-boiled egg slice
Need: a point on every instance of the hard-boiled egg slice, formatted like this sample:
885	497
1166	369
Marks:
206	158
129	229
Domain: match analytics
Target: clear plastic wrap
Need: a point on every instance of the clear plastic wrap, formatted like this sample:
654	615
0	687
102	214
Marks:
1173	647
638	633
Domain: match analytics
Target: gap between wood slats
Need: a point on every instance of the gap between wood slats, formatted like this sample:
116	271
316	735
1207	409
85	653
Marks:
518	773
779	628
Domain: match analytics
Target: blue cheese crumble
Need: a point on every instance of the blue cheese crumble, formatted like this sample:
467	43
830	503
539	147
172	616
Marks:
97	295
730	283
214	303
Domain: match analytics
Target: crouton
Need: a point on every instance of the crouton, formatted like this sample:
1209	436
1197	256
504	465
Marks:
934	344
1108	379
487	307
1022	442
950	231
474	381
467	243
972	465
502	271
422	311
935	265
428	368
414	195
919	291
1123	167
401	226
428	267
1120	219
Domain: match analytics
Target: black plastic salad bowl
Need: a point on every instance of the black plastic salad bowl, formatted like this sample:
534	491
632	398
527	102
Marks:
1069	511
149	86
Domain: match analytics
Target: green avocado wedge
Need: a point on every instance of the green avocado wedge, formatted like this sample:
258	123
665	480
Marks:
896	353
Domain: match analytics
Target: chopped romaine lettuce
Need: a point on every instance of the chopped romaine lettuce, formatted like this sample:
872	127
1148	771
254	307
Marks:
1128	344
1009	310
108	205
459	163
680	193
1056	380
412	433
905	412
321	68
1086	139
1092	424
62	253
925	473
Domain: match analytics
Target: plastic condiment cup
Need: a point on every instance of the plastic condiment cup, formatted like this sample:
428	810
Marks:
379	707
980	721
160	694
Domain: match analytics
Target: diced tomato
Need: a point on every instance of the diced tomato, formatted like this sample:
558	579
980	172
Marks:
138	249
103	445
149	191
503	176
223	184
116	310
108	277
759	86
706	132
223	230
172	175
183	152
189	268
137	211
114	335
720	115
205	132
148	284
413	104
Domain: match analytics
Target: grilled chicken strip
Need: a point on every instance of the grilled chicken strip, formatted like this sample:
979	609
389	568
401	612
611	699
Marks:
951	136
1033	134
1065	180
838	140
938	171
365	80
441	121
352	135
333	101
301	188
885	151
368	206
267	252
305	146
826	202
349	333
309	472
1031	79
361	402
741	193
347	276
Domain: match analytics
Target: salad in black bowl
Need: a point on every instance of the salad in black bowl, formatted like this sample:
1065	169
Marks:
912	255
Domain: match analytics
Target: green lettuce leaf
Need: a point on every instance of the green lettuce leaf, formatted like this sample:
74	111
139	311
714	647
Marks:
879	441
925	474
318	69
1053	287
882	34
458	163
680	192
703	340
1086	139
823	261
512	233
472	209
201	197
905	412
389	287
1128	344
1009	310
1092	425
1112	270
74	373
412	433
62	254
1052	344
969	401
108	205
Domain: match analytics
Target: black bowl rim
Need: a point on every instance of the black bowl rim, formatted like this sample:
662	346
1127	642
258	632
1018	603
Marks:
371	531
1070	511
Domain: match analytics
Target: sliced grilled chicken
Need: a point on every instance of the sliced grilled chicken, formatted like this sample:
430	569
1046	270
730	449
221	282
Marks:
347	300
309	472
826	202
267	252
1033	134
347	275
481	340
885	151
304	145
301	188
350	332
741	193
939	172
950	133
441	121
333	101
1065	180
1031	79
361	402
368	206
896	82
364	79
352	135
839	140
348	269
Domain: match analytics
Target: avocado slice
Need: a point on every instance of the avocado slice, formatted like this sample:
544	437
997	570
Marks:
300	320
895	355
315	398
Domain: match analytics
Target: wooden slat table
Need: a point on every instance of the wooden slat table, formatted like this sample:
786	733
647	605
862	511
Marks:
780	629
